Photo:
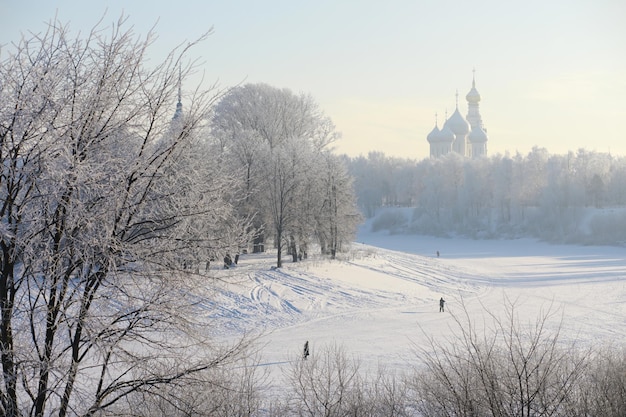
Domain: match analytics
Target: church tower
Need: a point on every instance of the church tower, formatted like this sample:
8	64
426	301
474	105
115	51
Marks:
478	136
178	114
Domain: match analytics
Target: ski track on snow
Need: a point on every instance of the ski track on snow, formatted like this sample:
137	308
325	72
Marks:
292	296
298	296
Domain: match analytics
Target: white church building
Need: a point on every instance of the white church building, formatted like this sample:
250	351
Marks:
465	136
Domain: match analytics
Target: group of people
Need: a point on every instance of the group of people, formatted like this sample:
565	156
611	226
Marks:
228	261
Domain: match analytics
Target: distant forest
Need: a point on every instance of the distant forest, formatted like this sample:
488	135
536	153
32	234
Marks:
577	198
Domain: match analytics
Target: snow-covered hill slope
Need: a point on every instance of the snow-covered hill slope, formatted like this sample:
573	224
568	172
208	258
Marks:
380	300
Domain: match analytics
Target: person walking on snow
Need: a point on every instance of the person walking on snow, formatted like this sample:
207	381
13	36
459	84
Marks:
441	303
305	354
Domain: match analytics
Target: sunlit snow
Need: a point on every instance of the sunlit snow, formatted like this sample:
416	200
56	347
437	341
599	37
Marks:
379	301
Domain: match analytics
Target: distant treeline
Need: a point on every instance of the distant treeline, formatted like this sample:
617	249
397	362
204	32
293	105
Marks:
579	197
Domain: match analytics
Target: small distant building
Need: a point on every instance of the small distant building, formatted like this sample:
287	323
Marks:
465	136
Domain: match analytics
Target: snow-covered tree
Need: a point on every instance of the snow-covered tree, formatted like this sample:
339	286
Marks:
337	217
277	139
101	197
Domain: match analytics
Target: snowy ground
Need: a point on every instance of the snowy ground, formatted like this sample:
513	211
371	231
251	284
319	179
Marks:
381	299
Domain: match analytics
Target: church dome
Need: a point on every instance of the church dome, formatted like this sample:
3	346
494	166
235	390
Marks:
477	135
458	125
446	134
434	135
473	96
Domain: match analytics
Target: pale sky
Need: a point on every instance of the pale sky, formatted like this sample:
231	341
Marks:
550	73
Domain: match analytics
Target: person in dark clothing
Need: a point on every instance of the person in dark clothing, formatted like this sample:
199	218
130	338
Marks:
305	354
441	303
437	254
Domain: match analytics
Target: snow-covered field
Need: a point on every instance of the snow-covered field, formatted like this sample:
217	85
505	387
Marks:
380	300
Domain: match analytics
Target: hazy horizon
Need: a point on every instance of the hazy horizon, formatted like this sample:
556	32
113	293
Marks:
550	74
